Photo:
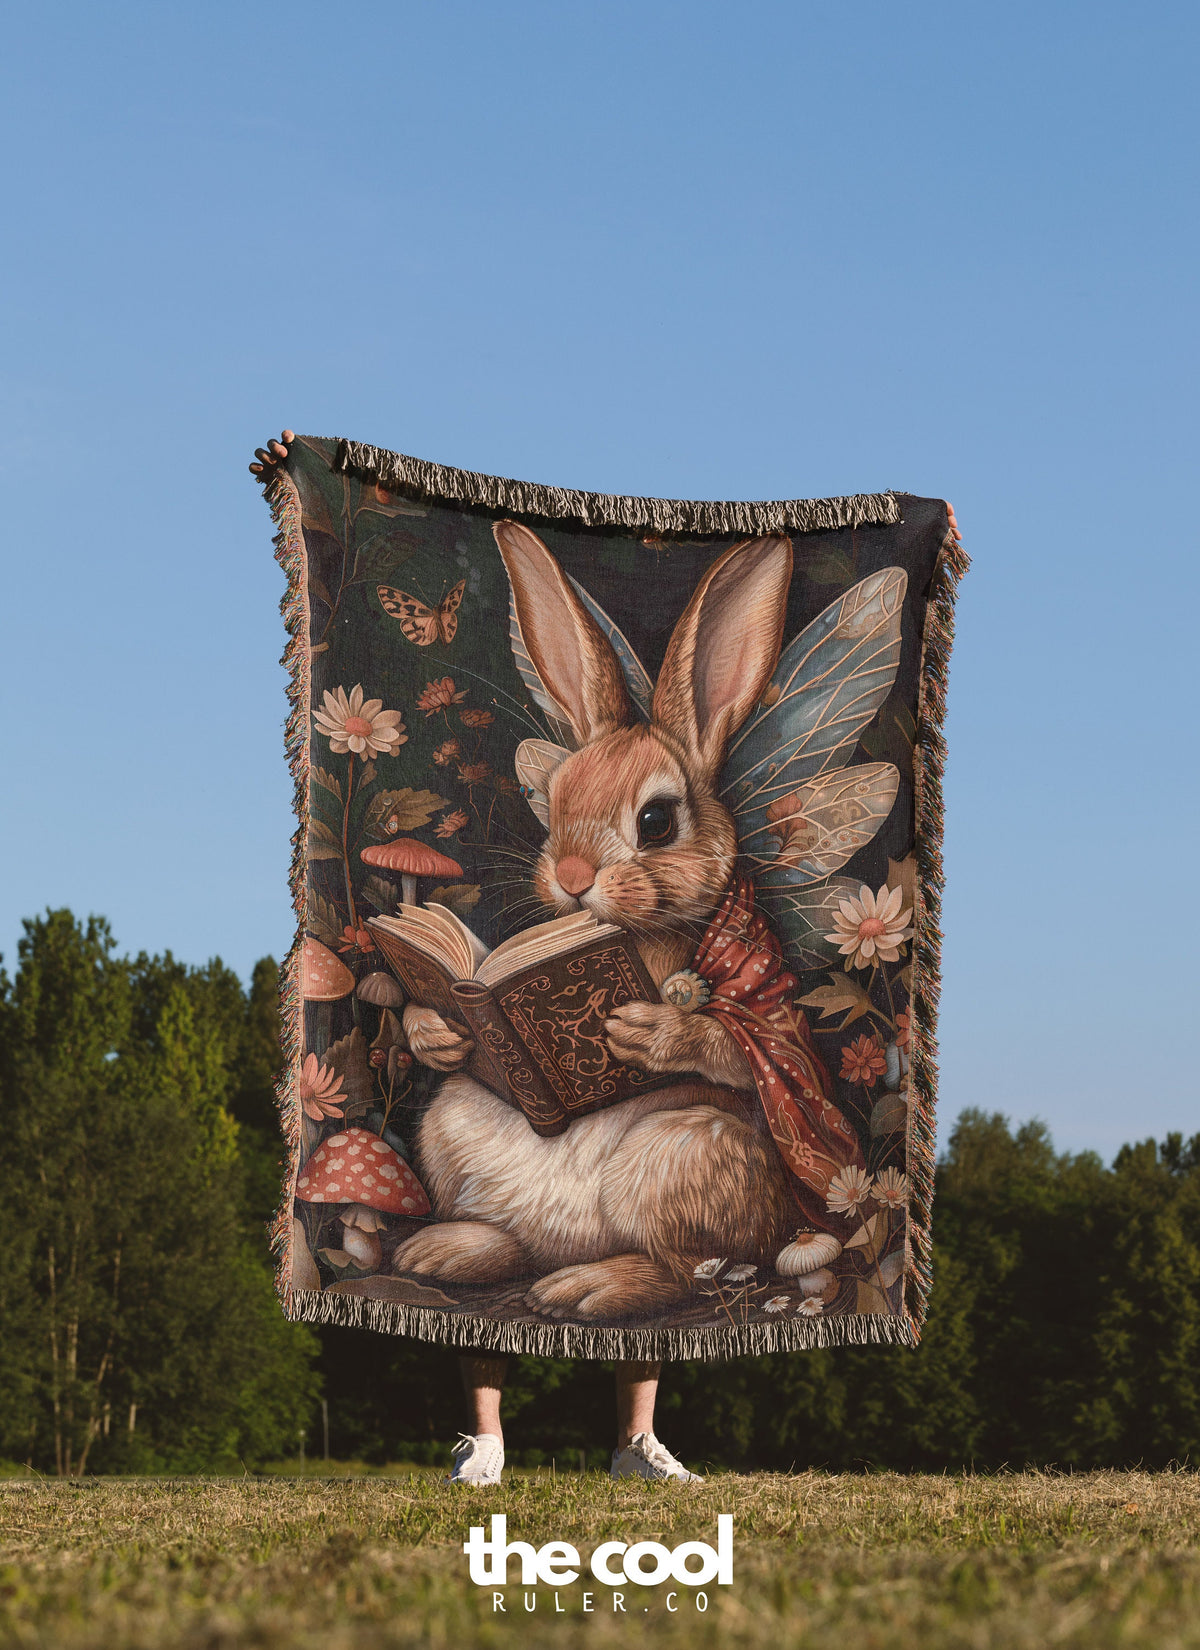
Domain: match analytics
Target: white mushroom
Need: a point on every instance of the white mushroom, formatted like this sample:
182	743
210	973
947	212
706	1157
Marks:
806	1252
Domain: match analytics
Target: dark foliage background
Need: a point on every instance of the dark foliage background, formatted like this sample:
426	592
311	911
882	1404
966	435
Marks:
140	1163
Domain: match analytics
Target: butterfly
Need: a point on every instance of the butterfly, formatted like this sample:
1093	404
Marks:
420	624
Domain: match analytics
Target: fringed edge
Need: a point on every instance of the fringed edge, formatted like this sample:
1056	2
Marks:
420	479
929	765
284	500
417	478
567	1340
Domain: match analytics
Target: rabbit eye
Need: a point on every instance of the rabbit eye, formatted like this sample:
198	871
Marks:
656	824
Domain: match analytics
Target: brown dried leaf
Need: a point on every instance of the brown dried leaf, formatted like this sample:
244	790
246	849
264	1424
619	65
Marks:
902	874
864	1238
391	812
458	896
349	1059
843	995
870	1298
328	781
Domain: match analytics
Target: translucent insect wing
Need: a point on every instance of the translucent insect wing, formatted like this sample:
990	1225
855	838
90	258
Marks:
829	683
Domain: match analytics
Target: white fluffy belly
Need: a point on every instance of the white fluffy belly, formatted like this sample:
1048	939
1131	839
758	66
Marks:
481	1161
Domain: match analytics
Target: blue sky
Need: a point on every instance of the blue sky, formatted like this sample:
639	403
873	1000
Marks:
687	249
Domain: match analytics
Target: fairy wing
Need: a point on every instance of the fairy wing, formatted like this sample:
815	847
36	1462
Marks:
803	920
830	681
811	832
638	682
641	688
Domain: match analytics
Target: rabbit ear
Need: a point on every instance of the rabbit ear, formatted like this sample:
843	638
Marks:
724	648
567	647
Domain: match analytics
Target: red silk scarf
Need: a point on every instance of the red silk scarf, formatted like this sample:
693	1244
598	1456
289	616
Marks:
753	996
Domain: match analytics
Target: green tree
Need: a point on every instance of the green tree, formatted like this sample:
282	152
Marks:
141	1325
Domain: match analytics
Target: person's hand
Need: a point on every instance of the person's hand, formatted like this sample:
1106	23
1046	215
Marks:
949	512
276	451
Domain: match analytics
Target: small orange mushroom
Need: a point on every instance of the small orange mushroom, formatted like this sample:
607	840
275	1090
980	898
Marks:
412	859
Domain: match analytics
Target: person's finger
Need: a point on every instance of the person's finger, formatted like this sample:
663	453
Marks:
279	448
264	455
288	437
256	469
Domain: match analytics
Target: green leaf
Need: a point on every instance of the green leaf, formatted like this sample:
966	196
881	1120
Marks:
380	893
320	842
323	918
889	1115
390	813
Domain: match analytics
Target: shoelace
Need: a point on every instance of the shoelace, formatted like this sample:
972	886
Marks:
657	1454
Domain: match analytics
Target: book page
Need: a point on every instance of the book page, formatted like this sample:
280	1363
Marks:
473	948
438	934
540	943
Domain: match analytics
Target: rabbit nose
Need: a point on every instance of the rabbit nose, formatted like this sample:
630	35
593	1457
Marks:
575	874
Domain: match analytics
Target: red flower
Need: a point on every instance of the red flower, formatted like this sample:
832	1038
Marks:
438	695
450	824
476	718
355	939
446	752
474	773
863	1061
903	1028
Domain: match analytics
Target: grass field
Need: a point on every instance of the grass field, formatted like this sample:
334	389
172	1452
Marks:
822	1561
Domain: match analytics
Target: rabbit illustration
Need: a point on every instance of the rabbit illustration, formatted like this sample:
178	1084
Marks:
612	1215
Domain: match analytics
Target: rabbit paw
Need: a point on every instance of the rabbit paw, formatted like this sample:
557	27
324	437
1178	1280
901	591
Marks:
653	1037
442	1044
462	1251
617	1287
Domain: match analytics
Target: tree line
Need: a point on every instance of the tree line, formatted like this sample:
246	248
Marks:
140	1159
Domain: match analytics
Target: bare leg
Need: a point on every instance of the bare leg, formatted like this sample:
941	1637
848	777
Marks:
482	1380
637	1388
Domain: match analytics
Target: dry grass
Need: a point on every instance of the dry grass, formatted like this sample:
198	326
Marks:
1009	1563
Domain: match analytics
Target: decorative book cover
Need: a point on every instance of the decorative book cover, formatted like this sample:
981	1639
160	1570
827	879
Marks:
713	728
539	1034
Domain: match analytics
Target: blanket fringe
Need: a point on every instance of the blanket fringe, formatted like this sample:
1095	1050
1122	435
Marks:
284	500
419	479
569	1340
929	763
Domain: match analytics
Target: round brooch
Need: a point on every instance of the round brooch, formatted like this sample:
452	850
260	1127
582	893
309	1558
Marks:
686	990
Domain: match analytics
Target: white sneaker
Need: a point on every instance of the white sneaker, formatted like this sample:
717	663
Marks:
477	1460
644	1457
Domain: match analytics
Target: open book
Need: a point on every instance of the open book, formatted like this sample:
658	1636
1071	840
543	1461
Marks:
536	1005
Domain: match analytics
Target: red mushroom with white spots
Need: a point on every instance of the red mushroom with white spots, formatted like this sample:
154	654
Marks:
357	1168
324	980
412	859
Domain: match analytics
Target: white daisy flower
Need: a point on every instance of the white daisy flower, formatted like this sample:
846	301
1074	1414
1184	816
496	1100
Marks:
812	1307
891	1187
365	729
871	926
739	1274
847	1190
708	1268
777	1303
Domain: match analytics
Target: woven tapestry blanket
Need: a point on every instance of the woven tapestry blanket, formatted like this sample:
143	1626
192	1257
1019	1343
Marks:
609	1023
